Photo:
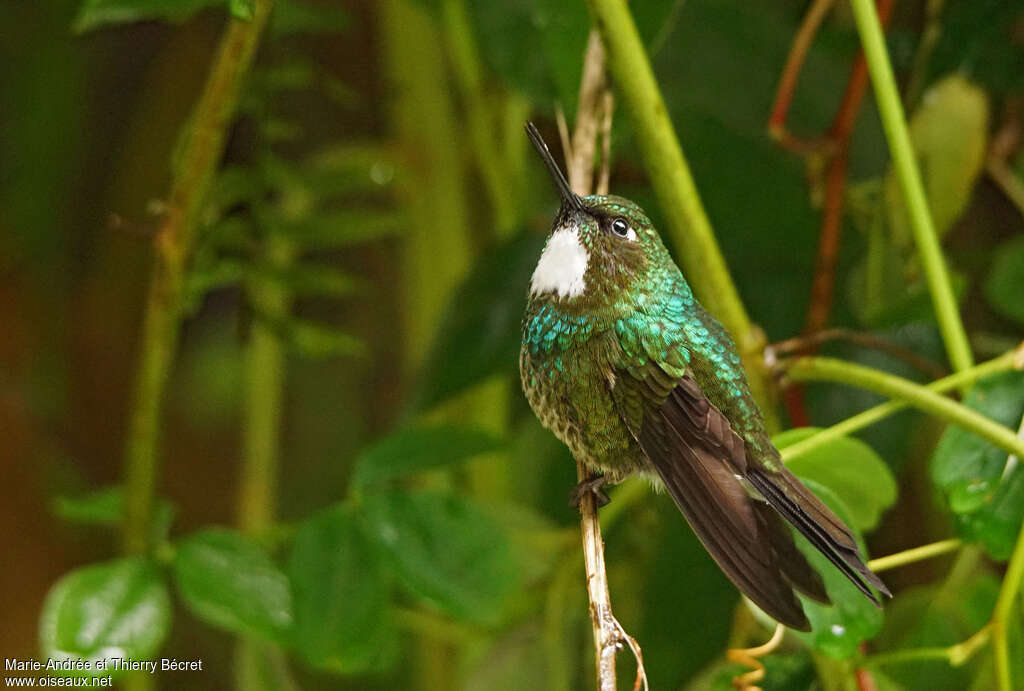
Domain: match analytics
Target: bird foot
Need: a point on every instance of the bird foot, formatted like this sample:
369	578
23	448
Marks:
591	486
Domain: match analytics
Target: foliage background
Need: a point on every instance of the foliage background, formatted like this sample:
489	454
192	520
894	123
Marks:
376	163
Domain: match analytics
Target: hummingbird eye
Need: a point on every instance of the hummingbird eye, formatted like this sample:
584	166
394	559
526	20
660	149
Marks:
621	227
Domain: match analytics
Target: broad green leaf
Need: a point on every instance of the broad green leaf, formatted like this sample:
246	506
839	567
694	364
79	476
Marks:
119	609
412	450
848	467
97	13
481	330
837	629
229	582
341	597
949	132
445	550
984	490
105	506
1004	285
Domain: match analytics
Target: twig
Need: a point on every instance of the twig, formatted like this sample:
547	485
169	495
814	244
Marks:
918	396
910	556
609	635
805	343
1012	583
1011	360
748	657
955	655
174	241
922	56
1004	144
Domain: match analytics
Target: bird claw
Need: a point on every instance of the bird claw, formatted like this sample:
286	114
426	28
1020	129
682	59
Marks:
592	486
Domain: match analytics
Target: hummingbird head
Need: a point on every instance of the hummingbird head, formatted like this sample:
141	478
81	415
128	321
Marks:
601	250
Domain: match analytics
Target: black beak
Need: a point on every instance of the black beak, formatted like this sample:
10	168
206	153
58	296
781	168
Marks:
569	198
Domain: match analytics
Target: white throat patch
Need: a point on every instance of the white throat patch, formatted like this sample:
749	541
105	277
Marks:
562	266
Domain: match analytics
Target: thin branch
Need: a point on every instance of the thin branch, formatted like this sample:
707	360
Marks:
918	396
687	221
174	242
1010	360
911	556
807	342
904	161
955	655
609	636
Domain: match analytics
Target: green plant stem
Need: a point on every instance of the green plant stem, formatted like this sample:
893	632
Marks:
465	60
871	415
895	124
910	556
955	655
265	375
174	241
688	224
915	395
1003	610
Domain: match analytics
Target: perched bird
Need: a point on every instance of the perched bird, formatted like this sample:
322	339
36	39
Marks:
622	363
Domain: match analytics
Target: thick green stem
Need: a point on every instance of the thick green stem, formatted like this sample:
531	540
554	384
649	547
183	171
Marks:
871	415
688	224
916	395
1011	587
895	124
204	144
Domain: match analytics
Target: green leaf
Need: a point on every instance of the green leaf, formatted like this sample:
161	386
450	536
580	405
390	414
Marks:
314	340
983	489
412	450
481	332
341	596
229	582
445	550
1004	286
105	506
242	9
97	13
312	279
848	467
119	608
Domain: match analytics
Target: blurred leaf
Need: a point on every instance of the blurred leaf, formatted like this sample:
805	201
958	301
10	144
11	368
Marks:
119	608
445	550
903	292
1004	286
201	280
516	660
848	467
837	629
309	278
229	582
337	229
296	17
412	450
783	672
97	13
481	331
263	666
342	619
314	340
949	132
242	9
105	506
984	491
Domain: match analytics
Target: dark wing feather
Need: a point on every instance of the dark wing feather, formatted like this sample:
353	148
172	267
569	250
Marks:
698	456
817	523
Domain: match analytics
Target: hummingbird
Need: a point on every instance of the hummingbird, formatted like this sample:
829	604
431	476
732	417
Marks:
628	370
